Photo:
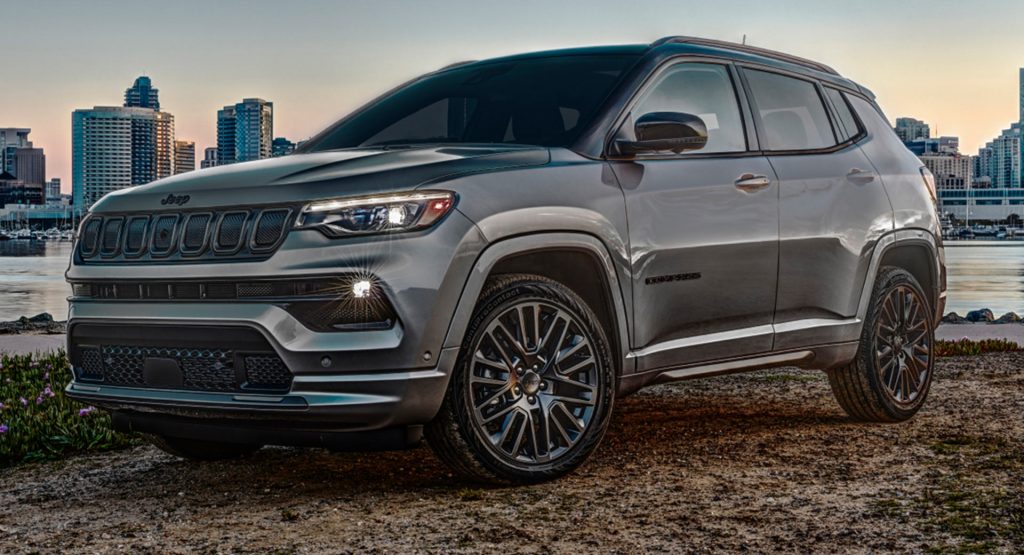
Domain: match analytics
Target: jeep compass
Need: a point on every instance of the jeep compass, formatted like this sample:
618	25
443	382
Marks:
492	254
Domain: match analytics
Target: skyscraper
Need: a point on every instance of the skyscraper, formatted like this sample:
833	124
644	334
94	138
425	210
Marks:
910	129
1020	88
226	135
114	147
142	95
245	131
184	156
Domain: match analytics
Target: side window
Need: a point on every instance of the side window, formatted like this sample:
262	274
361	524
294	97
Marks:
703	90
848	127
790	112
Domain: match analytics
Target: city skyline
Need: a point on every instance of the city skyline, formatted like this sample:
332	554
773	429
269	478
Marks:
318	60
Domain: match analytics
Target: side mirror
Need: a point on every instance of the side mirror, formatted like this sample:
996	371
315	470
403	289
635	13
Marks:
661	131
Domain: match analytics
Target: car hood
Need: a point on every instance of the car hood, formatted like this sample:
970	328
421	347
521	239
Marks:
308	177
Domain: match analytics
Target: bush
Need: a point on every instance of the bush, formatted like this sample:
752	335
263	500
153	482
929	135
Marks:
37	421
967	347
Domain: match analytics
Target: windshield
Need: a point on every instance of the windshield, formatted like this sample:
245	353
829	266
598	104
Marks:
536	101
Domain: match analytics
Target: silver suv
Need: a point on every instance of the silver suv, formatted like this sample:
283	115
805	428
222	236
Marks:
491	254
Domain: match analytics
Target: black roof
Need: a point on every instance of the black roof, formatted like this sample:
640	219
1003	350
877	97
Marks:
703	47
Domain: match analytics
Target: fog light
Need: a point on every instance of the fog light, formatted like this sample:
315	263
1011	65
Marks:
361	289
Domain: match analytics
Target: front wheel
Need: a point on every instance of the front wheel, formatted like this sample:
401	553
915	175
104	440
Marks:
532	391
890	378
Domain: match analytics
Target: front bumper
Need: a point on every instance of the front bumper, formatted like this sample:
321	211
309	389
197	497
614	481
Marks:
328	403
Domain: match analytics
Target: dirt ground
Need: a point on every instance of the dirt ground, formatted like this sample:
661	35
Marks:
764	462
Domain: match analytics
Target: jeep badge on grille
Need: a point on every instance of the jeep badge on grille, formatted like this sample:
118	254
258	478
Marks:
175	200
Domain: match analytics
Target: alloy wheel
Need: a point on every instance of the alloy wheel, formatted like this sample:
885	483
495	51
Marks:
533	383
903	345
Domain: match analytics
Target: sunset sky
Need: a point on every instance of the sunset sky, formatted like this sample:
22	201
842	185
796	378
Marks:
953	64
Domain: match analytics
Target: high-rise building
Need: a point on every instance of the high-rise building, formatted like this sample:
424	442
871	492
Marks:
245	131
1001	159
209	158
1020	87
11	139
226	135
950	171
910	129
30	165
114	147
142	95
184	156
52	191
281	147
164	145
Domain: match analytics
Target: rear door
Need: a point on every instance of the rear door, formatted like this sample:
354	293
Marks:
703	227
832	205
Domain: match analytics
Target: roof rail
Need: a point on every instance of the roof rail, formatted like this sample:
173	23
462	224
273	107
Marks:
747	49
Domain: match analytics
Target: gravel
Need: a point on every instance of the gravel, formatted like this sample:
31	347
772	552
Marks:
763	462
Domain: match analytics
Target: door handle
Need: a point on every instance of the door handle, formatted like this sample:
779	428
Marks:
858	175
749	182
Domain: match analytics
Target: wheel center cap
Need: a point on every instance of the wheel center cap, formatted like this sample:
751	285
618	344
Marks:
531	382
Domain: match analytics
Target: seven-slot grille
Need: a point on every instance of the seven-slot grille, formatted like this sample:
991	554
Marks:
185	236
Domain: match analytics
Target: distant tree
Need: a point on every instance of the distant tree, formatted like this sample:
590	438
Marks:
1013	220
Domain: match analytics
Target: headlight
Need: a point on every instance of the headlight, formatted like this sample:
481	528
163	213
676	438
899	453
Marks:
379	214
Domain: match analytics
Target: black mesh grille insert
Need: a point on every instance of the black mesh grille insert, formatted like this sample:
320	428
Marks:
111	236
135	239
229	233
202	369
91	236
269	228
92	365
221	359
266	372
195	233
163	233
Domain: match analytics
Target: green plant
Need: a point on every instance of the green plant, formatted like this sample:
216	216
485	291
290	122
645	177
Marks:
969	347
37	421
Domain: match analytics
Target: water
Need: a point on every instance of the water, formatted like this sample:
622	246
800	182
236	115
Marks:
32	278
981	275
985	274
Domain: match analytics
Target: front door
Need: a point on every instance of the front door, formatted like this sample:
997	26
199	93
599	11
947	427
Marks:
703	229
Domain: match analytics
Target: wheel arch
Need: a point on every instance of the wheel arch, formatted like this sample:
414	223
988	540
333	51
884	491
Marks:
578	260
919	253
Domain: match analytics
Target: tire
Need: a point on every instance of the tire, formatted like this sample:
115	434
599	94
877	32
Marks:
483	430
880	386
199	450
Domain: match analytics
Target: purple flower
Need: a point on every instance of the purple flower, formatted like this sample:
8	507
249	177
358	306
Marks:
2	406
47	391
3	428
24	401
86	411
46	376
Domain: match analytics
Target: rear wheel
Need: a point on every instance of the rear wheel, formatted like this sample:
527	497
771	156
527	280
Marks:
532	390
890	378
201	450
